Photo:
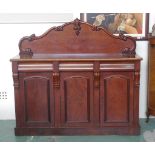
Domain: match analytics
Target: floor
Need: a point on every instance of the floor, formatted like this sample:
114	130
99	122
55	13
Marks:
7	135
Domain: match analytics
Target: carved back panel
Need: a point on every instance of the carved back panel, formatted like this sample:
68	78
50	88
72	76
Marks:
77	37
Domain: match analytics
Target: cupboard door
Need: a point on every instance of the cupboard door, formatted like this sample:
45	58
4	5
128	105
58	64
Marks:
116	97
76	99
36	97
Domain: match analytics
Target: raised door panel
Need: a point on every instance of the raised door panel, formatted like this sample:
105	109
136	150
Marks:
76	99
36	97
116	98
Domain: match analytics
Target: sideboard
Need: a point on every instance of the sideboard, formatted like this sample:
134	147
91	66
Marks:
76	79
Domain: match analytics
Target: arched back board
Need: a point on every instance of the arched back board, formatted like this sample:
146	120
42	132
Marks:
77	37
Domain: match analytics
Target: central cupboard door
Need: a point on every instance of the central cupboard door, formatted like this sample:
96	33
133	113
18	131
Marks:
76	99
116	98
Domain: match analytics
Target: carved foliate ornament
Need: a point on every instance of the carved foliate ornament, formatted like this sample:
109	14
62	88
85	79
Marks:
77	27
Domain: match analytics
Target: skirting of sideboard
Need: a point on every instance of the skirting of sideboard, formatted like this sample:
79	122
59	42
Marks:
78	131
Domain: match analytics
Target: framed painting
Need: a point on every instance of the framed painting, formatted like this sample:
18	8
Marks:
133	24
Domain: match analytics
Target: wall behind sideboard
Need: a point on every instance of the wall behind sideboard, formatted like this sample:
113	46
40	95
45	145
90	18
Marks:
14	26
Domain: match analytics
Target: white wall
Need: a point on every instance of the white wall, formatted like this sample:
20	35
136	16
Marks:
14	27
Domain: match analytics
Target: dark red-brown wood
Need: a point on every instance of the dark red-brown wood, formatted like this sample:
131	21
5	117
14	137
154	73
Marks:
76	79
76	37
77	98
151	78
116	98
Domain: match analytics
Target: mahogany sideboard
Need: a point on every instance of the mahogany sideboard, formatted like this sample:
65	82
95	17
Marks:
151	78
76	79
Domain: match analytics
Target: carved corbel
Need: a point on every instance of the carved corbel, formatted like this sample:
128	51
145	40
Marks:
56	80
137	78
97	79
16	80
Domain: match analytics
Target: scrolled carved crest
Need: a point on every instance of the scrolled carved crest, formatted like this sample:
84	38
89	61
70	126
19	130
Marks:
56	39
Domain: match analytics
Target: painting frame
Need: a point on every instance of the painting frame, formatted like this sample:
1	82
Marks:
145	24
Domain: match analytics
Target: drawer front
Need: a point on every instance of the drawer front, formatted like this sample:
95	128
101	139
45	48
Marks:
35	67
